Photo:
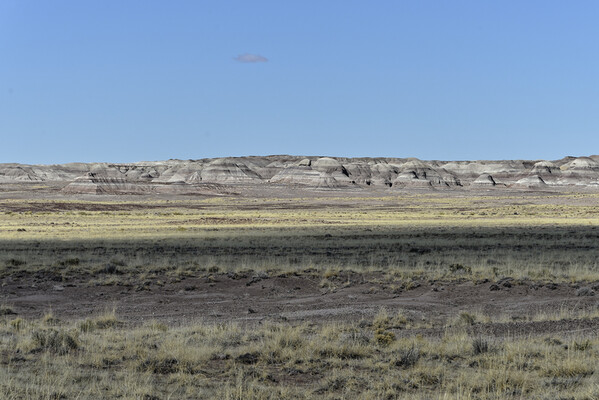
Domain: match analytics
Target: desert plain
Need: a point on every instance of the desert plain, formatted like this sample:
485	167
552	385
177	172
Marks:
288	277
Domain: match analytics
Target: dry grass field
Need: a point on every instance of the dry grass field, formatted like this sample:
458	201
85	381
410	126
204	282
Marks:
101	358
462	296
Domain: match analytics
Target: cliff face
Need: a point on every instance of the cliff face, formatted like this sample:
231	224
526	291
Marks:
216	175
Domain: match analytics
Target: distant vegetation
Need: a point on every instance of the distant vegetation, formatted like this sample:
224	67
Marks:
544	237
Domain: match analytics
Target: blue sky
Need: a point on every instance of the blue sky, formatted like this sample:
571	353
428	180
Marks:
129	80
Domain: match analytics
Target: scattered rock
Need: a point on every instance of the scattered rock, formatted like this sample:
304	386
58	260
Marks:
257	278
364	324
4	310
585	291
110	269
235	275
506	282
248	358
293	371
220	357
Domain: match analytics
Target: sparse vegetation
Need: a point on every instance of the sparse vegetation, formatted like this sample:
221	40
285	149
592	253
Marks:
104	321
55	341
480	345
282	361
429	246
6	310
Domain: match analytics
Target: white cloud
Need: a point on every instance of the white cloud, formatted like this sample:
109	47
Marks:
250	58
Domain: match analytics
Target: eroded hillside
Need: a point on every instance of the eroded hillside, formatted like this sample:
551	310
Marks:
223	175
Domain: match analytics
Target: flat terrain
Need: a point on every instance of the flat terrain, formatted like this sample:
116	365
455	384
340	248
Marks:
517	271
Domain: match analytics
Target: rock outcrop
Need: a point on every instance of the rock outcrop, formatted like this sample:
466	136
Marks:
223	175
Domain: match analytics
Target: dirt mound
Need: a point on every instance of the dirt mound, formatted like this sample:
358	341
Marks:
307	176
417	173
484	180
19	174
545	167
116	183
227	170
582	163
531	181
95	183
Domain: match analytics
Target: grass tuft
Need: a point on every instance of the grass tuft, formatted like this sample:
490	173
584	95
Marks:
104	321
480	345
55	341
408	357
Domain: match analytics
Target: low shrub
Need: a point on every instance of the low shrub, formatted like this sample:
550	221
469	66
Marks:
480	345
407	358
55	341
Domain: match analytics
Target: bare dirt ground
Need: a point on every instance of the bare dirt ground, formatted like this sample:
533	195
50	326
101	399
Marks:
295	298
